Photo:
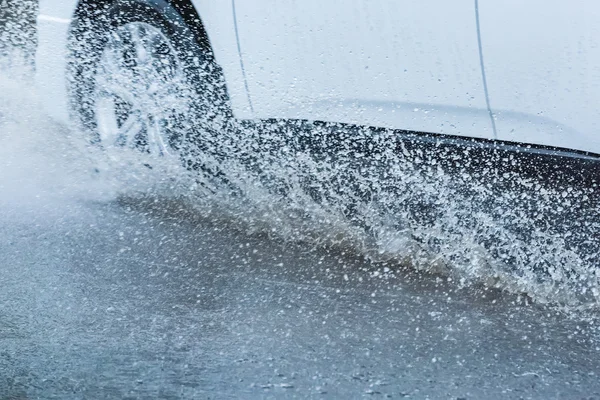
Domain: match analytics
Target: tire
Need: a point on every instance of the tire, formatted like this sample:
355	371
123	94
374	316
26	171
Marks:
138	80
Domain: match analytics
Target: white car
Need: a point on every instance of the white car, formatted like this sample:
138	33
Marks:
500	72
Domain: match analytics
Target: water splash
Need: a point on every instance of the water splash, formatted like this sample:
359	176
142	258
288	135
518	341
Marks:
427	206
384	194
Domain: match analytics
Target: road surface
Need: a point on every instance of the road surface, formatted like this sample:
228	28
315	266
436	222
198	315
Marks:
113	293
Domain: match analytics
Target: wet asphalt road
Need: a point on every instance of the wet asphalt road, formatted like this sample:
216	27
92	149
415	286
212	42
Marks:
110	294
138	297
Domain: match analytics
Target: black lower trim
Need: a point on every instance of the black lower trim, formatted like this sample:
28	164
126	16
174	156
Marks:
551	165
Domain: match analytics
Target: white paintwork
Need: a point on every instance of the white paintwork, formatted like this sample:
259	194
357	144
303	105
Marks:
411	64
217	17
542	61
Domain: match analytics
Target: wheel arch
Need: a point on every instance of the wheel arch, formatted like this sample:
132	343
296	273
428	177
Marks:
87	9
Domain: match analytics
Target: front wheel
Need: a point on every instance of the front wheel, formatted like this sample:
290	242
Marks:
143	86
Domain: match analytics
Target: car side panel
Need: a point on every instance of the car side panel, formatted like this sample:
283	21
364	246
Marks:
542	62
410	64
217	18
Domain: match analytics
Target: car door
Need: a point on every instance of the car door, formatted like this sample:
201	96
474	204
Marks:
542	63
411	64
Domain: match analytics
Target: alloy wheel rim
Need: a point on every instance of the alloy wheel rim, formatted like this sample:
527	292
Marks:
140	96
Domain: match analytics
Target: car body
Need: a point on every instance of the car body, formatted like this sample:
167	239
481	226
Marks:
510	71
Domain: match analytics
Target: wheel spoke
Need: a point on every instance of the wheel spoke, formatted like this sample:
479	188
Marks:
137	38
113	56
129	131
152	39
153	135
156	139
106	119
